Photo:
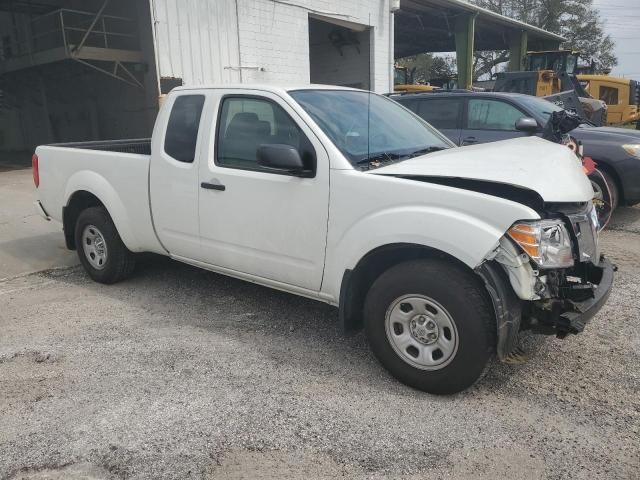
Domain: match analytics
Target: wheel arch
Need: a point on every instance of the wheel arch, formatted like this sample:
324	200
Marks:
357	281
87	189
79	201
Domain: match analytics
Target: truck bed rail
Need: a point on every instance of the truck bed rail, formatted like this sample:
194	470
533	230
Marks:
140	146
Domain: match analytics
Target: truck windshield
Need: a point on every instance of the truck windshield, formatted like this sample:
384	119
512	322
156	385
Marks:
369	129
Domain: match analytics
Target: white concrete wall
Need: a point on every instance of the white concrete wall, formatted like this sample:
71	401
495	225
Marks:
196	40
204	41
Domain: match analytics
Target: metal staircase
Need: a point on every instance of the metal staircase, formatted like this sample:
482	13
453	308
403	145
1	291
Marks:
106	43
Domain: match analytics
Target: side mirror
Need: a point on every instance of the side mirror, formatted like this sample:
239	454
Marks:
282	158
527	124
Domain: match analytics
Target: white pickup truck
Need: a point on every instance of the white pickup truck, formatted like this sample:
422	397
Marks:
442	254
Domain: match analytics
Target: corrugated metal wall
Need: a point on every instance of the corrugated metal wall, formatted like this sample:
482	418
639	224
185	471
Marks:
196	40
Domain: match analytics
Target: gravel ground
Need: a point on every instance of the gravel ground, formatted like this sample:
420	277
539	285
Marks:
181	373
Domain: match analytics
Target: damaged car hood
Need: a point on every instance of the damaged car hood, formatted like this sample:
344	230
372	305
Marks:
531	163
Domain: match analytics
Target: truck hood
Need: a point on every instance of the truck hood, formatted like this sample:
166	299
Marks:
531	163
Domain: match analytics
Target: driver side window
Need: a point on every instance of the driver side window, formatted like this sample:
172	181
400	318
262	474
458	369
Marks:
246	123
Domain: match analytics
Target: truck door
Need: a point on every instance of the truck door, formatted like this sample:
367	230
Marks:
255	221
173	176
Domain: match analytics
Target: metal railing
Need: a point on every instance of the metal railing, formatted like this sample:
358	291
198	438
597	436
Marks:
75	29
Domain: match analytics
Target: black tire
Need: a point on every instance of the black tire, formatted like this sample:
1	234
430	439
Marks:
610	195
611	184
119	263
464	299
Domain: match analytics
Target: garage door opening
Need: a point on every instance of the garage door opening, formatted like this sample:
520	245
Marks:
339	53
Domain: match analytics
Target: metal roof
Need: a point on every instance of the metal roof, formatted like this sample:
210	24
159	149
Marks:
428	26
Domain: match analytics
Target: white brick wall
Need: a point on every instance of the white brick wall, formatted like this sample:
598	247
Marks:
205	42
275	36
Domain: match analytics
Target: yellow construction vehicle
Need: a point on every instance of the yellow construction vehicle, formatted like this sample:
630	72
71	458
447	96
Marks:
403	82
555	60
622	96
559	70
552	74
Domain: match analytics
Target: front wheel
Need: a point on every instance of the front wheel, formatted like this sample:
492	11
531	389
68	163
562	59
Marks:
100	249
430	324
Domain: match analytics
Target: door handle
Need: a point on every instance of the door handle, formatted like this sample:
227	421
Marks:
213	186
469	140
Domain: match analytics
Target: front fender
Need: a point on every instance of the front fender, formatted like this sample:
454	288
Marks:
459	235
439	228
464	224
94	183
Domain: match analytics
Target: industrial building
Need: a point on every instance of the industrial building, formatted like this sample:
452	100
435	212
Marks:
73	70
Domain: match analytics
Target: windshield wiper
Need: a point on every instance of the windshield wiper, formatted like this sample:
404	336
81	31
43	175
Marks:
424	151
388	157
380	157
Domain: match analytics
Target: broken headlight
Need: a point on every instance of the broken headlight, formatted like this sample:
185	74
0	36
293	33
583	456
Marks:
547	242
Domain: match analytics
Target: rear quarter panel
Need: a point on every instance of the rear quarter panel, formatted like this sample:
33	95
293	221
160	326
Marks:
119	180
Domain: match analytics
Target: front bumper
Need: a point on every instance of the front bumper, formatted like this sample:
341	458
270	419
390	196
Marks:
574	320
570	314
557	316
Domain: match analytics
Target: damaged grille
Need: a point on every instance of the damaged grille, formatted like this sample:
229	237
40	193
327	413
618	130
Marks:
585	229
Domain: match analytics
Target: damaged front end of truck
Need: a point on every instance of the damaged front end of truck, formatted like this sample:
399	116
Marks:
547	276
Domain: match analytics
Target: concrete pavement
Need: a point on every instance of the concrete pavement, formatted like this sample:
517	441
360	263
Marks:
28	243
182	373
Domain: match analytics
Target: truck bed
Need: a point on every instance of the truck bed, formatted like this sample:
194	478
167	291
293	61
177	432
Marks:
116	172
141	146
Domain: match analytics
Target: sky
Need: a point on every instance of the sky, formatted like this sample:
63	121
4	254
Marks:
622	22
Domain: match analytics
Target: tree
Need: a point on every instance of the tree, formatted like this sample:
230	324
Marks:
583	29
576	20
424	67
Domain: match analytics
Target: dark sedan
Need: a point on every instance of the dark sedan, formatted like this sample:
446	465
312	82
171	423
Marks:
479	117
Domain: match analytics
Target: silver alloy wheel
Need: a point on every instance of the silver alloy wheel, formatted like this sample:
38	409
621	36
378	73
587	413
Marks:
94	247
598	193
421	332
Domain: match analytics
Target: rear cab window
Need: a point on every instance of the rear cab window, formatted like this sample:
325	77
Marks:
181	136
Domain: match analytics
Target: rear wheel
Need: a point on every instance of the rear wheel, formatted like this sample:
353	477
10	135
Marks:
431	326
100	249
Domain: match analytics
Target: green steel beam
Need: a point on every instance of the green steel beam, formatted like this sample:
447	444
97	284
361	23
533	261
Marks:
517	51
464	34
